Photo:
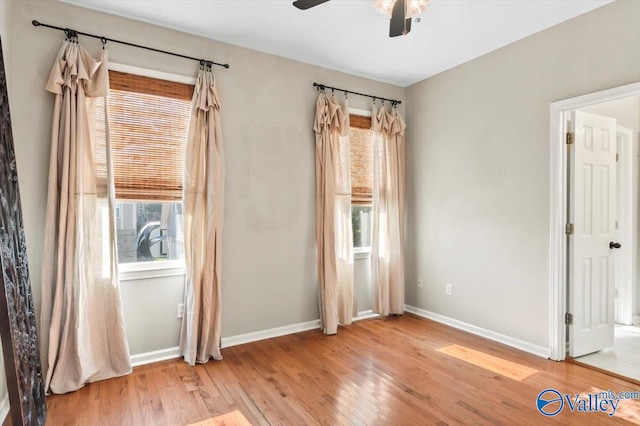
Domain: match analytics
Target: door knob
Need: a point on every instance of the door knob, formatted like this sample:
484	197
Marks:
613	245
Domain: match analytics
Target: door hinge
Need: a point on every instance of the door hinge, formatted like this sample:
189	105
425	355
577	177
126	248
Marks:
571	138
568	318
617	156
568	229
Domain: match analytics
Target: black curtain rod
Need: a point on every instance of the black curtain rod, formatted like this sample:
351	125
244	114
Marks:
324	86
70	33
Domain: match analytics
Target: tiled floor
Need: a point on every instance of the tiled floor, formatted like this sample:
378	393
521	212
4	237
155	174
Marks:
623	358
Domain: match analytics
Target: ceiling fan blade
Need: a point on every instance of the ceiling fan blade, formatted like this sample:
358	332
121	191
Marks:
308	4
399	26
396	26
403	31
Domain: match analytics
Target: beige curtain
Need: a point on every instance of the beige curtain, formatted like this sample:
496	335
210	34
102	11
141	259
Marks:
203	219
333	214
83	334
387	242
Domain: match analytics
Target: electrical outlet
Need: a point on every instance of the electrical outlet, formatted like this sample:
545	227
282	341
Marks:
180	310
449	289
419	283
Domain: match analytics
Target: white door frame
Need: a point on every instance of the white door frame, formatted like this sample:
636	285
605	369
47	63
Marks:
558	209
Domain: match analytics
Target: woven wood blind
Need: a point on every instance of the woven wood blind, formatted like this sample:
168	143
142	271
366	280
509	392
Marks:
149	120
361	138
360	122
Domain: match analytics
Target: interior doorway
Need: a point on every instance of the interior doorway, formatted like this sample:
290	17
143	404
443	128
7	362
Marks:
560	298
619	351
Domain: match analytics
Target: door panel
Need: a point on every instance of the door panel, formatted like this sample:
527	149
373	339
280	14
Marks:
592	210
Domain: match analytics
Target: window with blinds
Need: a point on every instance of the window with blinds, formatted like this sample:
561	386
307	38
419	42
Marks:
148	121
361	138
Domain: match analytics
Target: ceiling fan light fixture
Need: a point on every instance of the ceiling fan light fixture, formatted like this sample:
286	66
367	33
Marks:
384	6
414	7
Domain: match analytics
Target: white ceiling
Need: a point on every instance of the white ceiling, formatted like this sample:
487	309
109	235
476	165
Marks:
349	36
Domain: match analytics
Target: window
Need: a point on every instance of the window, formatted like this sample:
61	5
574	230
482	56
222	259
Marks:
361	138
148	122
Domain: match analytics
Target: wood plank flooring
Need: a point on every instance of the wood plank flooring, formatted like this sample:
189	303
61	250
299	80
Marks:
393	371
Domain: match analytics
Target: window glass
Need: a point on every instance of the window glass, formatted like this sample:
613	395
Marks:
148	232
361	222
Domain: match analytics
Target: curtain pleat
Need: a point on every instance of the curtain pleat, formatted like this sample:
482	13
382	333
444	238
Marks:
387	242
203	210
83	335
333	215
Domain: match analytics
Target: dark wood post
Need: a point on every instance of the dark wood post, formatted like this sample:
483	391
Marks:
17	318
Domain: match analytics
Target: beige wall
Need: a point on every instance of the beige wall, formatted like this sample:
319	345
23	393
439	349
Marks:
269	266
626	111
478	170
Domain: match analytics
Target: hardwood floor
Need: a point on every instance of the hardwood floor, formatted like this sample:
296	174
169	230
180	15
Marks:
396	371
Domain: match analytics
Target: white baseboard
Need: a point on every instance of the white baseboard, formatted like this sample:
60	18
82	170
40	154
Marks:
366	315
172	353
270	333
155	356
4	408
540	351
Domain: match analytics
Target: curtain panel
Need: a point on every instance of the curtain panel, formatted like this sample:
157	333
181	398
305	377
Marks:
203	220
387	241
333	214
83	334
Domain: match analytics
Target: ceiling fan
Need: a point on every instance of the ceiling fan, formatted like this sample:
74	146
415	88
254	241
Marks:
400	11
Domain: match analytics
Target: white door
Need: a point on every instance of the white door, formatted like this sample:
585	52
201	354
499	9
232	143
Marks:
592	211
624	261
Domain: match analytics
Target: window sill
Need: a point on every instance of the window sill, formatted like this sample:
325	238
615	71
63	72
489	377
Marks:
361	253
147	270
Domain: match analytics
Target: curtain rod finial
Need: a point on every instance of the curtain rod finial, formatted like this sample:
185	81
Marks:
35	23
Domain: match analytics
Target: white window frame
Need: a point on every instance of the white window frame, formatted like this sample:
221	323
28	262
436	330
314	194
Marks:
161	268
146	270
361	252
